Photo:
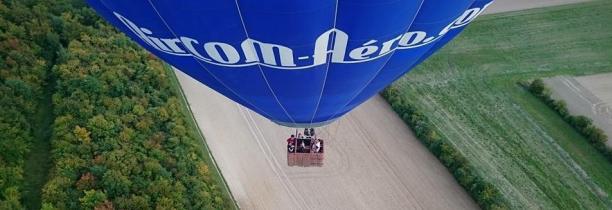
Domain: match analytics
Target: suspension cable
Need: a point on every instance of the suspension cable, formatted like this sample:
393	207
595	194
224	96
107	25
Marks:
328	60
378	71
197	61
259	66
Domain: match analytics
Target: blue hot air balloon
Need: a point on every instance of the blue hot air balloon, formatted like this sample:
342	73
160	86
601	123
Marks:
297	63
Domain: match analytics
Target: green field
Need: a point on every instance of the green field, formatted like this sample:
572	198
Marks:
469	91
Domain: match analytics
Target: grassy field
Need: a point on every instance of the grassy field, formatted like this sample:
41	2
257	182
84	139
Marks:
469	90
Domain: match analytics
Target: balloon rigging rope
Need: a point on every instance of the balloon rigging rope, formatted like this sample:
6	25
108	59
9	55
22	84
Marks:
379	70
328	59
259	66
197	61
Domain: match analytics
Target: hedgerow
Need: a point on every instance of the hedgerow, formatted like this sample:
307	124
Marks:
583	125
485	193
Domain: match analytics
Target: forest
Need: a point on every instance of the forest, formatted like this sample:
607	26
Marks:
117	138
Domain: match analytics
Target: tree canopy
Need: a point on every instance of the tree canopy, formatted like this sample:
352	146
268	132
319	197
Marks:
119	138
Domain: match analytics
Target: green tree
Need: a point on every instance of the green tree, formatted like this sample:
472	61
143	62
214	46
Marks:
92	198
11	199
537	87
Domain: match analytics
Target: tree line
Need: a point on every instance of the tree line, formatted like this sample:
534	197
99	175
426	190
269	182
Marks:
119	138
583	125
483	192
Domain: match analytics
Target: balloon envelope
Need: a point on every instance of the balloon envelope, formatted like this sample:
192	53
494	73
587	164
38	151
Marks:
297	63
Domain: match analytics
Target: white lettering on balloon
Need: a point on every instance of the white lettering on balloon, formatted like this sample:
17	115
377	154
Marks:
253	52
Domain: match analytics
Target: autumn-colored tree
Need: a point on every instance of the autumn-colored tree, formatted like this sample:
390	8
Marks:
82	134
86	182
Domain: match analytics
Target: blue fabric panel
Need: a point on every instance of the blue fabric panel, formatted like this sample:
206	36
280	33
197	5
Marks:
292	61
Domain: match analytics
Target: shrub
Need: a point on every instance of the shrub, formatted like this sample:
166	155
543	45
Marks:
537	87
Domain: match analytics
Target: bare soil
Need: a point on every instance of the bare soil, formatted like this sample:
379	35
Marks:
590	96
372	160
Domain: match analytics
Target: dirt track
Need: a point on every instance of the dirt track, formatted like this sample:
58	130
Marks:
590	96
372	160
